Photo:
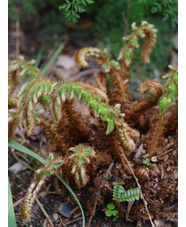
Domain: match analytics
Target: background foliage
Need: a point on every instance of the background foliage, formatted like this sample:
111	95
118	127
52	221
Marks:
111	20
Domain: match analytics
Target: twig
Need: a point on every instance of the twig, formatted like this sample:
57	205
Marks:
18	202
139	186
16	176
45	223
72	211
19	160
18	36
93	212
62	221
85	72
44	212
73	221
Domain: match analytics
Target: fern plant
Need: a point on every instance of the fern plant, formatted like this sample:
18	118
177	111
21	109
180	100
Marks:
120	194
100	143
73	8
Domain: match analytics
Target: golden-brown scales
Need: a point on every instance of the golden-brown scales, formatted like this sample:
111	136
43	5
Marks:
68	128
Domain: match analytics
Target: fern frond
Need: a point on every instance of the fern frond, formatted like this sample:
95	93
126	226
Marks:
58	141
68	91
17	68
100	56
41	176
24	67
168	100
80	158
170	90
145	30
29	95
120	194
152	91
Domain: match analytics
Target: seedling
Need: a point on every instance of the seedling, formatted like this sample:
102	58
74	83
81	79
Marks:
148	163
111	211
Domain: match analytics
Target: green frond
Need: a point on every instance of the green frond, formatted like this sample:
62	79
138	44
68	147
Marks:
170	90
41	176
30	94
120	194
24	67
145	30
81	154
80	158
76	91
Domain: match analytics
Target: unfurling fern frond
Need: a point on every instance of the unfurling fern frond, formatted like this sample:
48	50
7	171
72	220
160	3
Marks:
146	31
152	91
41	176
100	56
18	68
81	157
120	194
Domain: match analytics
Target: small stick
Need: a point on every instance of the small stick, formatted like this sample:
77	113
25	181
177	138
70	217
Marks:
136	179
45	223
44	212
62	221
73	221
18	202
17	36
85	72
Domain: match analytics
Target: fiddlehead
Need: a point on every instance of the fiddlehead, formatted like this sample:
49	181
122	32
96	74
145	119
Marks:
155	91
41	176
145	30
81	158
18	68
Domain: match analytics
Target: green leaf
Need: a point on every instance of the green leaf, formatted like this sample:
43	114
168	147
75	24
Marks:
115	218
148	163
57	164
86	97
114	212
164	102
73	194
173	89
11	214
111	206
25	150
108	213
50	158
120	194
95	105
52	59
110	126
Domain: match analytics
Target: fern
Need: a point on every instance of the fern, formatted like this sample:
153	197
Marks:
170	90
119	68
41	176
73	8
120	194
81	157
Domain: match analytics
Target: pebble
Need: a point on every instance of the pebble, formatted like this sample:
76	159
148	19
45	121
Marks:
55	216
64	209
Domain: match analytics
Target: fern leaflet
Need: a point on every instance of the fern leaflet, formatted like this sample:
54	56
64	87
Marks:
120	194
